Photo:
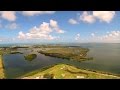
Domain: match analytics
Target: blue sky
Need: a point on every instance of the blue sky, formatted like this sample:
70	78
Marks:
59	26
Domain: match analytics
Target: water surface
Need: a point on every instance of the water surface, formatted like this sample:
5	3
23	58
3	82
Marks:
106	58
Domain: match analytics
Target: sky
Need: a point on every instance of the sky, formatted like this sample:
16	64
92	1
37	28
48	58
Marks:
59	26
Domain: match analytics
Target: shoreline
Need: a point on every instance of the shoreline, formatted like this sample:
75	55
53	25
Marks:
47	67
2	74
30	74
70	53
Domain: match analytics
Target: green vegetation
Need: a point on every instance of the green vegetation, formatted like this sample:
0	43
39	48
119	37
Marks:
10	50
71	53
63	71
48	76
2	75
15	52
30	57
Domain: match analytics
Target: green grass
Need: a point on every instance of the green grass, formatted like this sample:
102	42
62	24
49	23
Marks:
63	71
2	74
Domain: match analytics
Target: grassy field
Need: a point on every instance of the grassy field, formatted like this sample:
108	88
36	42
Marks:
63	71
2	75
71	53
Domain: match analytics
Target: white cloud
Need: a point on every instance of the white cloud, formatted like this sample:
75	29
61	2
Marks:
60	31
42	32
8	15
77	37
12	26
72	21
91	17
11	15
32	13
111	37
55	26
105	16
87	17
21	35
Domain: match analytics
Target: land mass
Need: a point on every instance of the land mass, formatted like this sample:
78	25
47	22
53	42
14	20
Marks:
70	53
63	71
30	57
60	71
2	74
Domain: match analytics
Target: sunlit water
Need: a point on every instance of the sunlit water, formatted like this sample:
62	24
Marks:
106	58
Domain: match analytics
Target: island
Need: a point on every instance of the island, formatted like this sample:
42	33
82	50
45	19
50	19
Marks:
30	57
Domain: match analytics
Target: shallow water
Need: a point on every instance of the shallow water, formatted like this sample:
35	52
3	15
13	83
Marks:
106	58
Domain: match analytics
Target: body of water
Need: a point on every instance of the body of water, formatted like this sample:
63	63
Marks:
106	57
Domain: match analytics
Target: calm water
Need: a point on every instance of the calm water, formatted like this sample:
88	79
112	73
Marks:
106	58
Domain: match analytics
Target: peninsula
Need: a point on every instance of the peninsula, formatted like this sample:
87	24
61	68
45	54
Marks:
66	52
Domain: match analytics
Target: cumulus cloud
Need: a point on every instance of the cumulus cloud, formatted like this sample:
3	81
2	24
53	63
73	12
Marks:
91	17
11	15
111	37
8	15
87	17
77	37
32	13
55	26
12	26
72	21
21	35
105	16
42	32
60	31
